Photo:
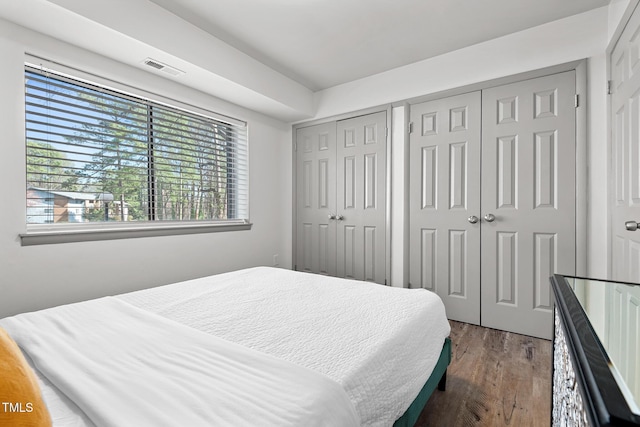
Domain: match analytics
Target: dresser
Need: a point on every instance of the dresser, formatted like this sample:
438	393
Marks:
596	352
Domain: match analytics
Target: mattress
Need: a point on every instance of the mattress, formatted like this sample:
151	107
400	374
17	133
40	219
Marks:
380	344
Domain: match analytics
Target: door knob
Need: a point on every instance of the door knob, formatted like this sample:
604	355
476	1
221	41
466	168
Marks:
631	225
489	217
472	219
332	216
339	217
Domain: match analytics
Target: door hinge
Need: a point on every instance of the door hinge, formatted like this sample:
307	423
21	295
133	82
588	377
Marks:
295	146
386	131
577	100
609	87
410	127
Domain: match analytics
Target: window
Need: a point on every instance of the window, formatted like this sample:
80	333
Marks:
98	156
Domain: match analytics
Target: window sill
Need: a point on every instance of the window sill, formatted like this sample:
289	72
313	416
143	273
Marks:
45	235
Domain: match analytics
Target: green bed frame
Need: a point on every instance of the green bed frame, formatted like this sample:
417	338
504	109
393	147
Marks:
438	379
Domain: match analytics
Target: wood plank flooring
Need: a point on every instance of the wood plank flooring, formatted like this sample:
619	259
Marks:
495	379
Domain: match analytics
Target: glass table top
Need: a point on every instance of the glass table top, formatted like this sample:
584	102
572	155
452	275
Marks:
613	308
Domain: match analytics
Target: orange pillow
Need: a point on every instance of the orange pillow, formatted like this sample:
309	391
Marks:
21	403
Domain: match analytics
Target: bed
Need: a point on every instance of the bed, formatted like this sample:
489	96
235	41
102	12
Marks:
260	346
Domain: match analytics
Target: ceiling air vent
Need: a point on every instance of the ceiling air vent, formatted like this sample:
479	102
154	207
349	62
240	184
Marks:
163	67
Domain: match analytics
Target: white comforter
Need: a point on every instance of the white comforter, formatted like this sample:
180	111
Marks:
379	343
127	367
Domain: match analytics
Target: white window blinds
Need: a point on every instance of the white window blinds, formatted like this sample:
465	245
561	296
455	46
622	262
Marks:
96	155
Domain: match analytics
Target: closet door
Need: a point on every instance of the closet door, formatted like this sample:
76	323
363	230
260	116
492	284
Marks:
528	200
625	151
622	306
361	197
316	199
445	202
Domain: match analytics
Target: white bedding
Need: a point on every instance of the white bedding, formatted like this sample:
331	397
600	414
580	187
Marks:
124	366
379	343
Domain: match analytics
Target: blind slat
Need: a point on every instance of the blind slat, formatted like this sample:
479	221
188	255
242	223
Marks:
52	114
188	156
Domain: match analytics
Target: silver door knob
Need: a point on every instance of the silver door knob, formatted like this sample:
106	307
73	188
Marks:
631	225
332	216
489	217
473	219
339	217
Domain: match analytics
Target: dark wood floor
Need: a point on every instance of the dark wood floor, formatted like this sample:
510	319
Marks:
495	379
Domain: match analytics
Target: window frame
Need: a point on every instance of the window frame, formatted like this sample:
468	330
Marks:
47	233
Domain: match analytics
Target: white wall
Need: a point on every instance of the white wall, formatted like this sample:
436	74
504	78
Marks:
617	10
597	175
573	38
36	277
399	215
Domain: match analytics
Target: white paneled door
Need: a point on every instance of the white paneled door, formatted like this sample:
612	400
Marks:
445	202
528	200
316	198
341	198
623	302
492	201
361	197
625	126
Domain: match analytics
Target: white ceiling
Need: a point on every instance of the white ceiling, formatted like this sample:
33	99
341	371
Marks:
323	43
271	56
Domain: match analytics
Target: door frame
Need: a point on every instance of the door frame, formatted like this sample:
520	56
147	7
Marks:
580	68
615	38
382	108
